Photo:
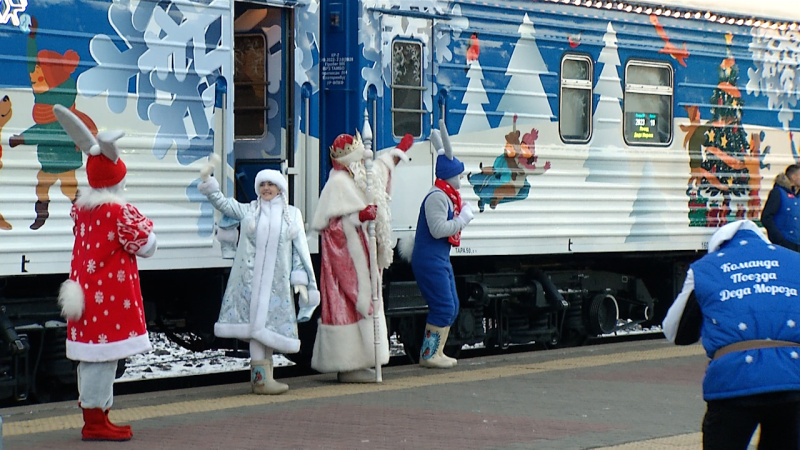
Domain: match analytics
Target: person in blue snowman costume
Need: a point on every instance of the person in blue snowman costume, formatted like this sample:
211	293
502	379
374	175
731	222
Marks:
442	216
742	298
271	257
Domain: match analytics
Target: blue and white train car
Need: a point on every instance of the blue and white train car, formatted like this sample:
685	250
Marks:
604	142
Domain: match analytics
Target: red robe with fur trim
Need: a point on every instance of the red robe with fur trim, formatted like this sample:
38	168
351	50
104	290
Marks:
345	331
107	238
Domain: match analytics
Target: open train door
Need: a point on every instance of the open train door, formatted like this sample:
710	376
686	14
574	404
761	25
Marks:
263	86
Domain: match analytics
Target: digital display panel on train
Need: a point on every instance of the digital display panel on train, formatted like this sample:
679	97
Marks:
642	127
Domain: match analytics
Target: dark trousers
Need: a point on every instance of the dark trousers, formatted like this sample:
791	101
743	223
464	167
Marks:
729	425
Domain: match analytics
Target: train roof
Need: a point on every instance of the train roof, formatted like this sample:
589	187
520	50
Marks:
765	12
781	10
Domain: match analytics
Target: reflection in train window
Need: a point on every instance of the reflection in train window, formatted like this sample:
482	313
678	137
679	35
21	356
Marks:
575	105
648	103
250	85
407	108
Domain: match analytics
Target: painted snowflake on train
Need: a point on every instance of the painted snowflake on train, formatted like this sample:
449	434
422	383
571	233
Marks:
775	75
377	29
176	52
10	11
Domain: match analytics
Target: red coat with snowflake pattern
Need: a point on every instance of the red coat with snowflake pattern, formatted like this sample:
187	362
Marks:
112	326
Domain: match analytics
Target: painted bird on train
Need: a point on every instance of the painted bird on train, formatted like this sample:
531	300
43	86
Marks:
473	50
677	53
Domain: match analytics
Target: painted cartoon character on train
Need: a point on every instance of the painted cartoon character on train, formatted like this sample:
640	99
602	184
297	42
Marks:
52	83
5	116
506	180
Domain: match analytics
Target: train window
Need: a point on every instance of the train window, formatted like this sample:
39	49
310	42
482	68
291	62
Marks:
648	103
575	106
407	108
250	85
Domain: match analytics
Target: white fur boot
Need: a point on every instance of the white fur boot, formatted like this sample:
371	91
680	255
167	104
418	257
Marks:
261	378
358	376
432	352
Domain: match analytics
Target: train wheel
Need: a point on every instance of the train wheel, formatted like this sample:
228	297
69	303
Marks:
603	314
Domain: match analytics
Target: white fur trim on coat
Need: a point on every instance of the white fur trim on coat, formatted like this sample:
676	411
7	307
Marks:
342	348
90	198
268	235
71	300
298	277
356	251
399	154
149	248
340	197
112	351
727	232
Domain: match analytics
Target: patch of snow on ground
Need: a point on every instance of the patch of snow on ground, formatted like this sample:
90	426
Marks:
169	360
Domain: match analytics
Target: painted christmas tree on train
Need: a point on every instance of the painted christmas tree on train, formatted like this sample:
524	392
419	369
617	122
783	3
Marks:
730	170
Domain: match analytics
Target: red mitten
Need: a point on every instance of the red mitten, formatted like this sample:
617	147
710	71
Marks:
368	213
405	143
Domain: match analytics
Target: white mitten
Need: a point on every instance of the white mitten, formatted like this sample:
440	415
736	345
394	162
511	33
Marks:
466	215
208	186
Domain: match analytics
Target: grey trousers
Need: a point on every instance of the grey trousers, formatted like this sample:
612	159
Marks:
96	384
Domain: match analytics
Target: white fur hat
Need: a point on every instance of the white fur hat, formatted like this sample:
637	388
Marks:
274	177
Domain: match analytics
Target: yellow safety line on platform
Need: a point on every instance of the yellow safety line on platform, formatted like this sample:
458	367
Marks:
689	441
338	390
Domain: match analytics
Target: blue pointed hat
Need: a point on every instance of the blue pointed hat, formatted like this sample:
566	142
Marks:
448	168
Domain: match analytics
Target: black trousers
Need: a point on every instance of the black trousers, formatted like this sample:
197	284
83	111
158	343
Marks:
730	424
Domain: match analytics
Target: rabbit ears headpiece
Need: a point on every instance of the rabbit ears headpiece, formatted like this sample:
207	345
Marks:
103	167
447	165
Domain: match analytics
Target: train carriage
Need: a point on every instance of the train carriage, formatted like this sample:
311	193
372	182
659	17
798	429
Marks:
604	141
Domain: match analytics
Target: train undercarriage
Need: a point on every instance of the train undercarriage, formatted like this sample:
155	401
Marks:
557	306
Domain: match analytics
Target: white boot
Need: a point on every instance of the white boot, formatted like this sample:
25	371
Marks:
358	376
432	353
261	378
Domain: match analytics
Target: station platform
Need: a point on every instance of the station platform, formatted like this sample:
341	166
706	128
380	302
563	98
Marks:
628	395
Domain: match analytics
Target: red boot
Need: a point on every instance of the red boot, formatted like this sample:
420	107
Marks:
123	428
97	428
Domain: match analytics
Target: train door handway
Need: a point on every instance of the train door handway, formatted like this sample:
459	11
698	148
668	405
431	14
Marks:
262	79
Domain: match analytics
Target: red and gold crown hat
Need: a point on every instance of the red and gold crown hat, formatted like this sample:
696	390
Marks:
347	149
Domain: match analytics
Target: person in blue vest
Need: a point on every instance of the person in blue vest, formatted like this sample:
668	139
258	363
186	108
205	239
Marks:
742	298
442	216
781	213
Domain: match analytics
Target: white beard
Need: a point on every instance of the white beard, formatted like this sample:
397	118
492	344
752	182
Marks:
381	198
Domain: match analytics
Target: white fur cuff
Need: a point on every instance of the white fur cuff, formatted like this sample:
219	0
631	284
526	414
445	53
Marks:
149	248
71	300
353	218
209	186
313	297
298	277
397	153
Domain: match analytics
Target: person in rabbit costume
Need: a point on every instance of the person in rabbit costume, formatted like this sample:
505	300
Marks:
272	256
102	299
442	216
